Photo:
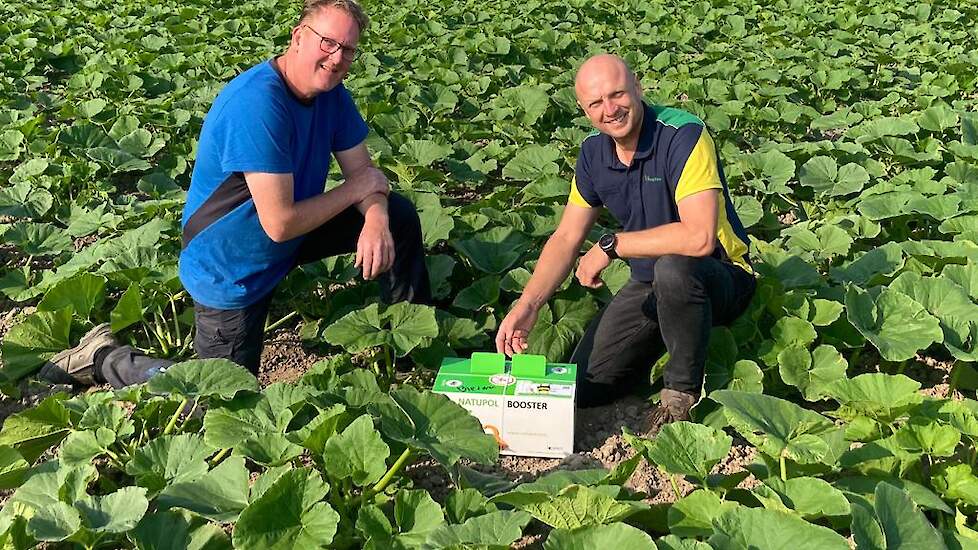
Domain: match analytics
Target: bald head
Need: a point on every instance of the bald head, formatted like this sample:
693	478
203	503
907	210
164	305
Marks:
601	68
611	97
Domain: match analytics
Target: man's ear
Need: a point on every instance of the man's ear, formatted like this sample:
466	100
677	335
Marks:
294	42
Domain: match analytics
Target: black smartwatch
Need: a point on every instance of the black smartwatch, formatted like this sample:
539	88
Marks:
608	242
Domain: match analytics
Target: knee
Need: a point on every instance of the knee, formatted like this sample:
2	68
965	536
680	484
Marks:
673	274
403	216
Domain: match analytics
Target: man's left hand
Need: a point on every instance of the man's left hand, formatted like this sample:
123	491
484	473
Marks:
375	247
591	266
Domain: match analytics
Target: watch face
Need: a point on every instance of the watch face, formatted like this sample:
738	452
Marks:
606	241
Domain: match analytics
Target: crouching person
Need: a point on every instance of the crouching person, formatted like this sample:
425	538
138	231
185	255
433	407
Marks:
256	207
657	171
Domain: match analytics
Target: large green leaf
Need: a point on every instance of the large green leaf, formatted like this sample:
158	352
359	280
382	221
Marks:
402	326
904	526
116	512
178	530
358	453
558	330
688	449
615	535
13	467
495	250
573	507
811	497
531	162
33	431
777	427
248	415
825	176
693	515
494	531
897	325
37	239
742	528
437	425
37	338
55	522
290	514
219	494
812	372
203	378
82	293
169	459
876	395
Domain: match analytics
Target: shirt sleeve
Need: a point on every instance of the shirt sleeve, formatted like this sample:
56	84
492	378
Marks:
350	129
695	162
256	134
582	190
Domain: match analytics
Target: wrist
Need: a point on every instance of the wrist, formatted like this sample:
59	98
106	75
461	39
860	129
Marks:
532	304
608	243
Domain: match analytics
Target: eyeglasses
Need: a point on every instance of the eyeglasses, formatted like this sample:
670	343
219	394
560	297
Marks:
329	46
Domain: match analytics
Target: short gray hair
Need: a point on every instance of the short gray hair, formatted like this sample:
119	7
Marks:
311	7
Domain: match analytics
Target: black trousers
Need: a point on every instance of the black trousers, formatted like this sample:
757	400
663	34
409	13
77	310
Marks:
674	313
238	334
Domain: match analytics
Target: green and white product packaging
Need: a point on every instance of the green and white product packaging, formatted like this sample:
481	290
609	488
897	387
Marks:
527	404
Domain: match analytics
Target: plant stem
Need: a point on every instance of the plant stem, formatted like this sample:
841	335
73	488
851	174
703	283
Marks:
220	456
675	486
279	323
784	467
176	415
391	472
389	364
176	321
190	414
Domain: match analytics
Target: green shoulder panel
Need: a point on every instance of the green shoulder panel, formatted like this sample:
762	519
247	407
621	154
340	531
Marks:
676	118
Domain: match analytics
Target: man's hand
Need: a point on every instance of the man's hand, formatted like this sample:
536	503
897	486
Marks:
515	328
375	247
591	266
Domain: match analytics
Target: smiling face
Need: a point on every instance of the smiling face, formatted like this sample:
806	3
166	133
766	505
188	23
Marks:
310	70
611	97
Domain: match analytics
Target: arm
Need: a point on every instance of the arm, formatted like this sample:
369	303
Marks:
282	217
556	260
375	247
694	235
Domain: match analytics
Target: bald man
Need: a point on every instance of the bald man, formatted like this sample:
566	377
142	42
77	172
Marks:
657	170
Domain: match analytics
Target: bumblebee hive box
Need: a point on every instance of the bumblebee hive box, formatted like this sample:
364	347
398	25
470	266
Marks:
527	404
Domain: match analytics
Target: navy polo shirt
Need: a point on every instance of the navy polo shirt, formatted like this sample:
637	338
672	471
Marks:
675	158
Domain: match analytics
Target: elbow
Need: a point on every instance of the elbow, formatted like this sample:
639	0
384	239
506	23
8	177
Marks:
277	232
703	245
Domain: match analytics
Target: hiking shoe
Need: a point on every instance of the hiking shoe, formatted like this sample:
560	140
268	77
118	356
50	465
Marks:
673	407
77	365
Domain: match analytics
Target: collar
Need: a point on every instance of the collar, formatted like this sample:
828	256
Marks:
645	141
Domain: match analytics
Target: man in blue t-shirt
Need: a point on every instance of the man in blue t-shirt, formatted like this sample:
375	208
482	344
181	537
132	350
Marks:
256	206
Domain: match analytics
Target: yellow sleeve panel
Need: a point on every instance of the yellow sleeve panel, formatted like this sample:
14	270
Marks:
735	248
700	171
575	197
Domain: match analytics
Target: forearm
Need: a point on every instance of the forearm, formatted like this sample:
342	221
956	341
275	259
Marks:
373	207
308	214
556	261
673	238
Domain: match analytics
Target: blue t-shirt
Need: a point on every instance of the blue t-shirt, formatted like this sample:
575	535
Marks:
256	124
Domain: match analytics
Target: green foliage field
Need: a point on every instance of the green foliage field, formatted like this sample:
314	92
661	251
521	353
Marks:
849	133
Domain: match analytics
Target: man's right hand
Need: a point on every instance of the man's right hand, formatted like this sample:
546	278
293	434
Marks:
515	329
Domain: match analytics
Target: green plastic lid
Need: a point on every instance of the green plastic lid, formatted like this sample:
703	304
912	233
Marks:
487	363
529	366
